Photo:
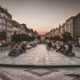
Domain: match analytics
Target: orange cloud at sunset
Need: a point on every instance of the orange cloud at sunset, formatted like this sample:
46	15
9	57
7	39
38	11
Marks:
41	33
42	30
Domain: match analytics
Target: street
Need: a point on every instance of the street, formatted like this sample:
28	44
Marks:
40	56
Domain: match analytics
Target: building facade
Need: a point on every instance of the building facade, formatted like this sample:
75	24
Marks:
5	22
71	25
68	26
76	27
16	27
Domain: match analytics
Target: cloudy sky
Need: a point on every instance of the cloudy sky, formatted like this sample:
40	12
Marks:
42	15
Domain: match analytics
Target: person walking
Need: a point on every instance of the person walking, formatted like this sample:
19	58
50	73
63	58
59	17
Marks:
70	47
49	45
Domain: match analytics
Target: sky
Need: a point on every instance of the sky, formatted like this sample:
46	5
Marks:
41	15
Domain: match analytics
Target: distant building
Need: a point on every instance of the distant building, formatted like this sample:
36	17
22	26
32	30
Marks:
57	32
6	22
61	29
25	30
35	34
68	26
16	27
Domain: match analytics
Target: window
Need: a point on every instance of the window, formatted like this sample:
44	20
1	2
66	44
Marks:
0	20
0	27
4	27
4	21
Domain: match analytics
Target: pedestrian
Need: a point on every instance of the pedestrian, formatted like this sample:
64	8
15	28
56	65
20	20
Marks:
61	48
66	48
70	46
23	47
58	46
49	45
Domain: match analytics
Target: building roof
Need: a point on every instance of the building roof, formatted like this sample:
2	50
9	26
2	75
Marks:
5	11
15	24
70	18
78	15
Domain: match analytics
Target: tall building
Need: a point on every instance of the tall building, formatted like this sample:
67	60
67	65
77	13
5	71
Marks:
5	22
72	25
76	27
69	24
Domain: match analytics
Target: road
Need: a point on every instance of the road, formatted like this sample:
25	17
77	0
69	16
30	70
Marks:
40	56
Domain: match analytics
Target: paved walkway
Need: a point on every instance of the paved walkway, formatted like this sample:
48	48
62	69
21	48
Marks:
39	74
40	56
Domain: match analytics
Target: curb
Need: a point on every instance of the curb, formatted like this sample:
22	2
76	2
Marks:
38	66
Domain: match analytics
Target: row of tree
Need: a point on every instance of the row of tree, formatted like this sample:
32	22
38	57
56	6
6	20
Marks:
3	35
17	37
22	37
64	37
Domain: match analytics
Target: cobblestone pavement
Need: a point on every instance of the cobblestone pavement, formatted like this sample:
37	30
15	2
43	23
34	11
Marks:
39	74
41	56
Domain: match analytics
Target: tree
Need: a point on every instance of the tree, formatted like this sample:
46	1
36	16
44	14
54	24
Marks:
18	37
39	37
67	36
3	35
57	38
